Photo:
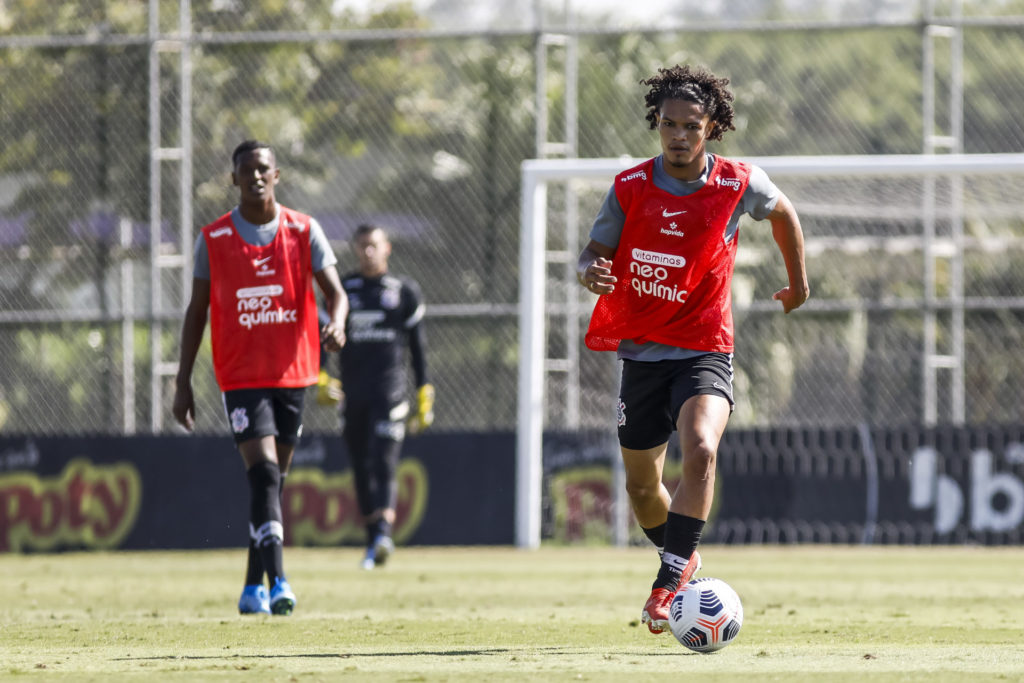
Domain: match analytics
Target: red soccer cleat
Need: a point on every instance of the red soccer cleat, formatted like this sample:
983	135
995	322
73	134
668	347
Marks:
655	613
692	567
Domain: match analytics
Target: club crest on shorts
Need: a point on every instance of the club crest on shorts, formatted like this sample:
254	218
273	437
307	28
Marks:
621	413
239	420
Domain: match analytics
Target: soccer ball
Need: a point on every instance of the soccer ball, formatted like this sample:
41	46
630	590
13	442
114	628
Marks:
706	615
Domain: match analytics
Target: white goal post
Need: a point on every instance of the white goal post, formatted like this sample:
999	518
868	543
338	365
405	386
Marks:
536	174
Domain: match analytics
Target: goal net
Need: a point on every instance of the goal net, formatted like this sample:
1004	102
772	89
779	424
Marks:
916	286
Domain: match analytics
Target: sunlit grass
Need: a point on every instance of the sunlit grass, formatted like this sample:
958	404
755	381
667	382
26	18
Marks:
811	613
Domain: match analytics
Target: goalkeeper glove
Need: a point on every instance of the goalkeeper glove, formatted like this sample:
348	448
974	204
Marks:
328	389
424	415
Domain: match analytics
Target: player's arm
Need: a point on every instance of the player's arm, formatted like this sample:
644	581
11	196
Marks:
417	355
336	304
192	330
423	416
328	387
594	265
790	239
594	268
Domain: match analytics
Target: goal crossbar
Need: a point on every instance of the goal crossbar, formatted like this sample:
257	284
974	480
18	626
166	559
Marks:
535	176
541	170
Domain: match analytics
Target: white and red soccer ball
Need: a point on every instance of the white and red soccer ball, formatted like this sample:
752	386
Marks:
706	615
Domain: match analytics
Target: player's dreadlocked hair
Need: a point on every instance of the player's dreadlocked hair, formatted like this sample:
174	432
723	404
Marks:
249	146
693	85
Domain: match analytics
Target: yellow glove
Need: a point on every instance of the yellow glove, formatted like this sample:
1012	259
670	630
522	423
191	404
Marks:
328	389
424	415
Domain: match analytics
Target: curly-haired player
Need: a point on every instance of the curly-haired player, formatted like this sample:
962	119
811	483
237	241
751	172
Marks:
661	257
699	86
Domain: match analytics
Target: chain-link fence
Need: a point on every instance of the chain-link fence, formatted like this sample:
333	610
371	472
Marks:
119	118
896	256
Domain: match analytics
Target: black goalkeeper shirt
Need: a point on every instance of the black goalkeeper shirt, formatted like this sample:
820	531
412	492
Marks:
384	319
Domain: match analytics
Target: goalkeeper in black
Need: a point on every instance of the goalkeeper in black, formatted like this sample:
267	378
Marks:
385	316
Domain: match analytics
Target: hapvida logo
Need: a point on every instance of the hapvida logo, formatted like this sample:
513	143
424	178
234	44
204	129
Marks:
262	266
673	230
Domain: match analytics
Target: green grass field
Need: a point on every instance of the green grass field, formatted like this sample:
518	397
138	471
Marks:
453	614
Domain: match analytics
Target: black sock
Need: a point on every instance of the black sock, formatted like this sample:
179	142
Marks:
668	577
254	565
273	559
371	533
682	534
657	535
265	516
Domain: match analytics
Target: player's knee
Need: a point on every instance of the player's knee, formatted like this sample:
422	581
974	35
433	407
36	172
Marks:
699	460
640	491
264	475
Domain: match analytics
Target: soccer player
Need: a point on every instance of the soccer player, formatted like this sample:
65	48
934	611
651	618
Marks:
254	272
385	318
660	257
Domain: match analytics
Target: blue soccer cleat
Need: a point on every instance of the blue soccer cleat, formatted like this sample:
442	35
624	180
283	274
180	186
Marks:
282	599
254	600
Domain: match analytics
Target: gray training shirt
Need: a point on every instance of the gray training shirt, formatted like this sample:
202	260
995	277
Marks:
321	253
758	201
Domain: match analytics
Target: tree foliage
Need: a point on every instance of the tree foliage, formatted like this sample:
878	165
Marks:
426	135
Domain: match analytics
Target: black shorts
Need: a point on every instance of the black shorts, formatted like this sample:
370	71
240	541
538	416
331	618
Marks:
377	416
651	395
255	413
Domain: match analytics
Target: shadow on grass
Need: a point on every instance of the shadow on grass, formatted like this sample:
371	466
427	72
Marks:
320	655
485	651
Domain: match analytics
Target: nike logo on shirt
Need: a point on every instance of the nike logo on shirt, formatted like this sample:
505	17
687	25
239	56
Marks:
668	214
